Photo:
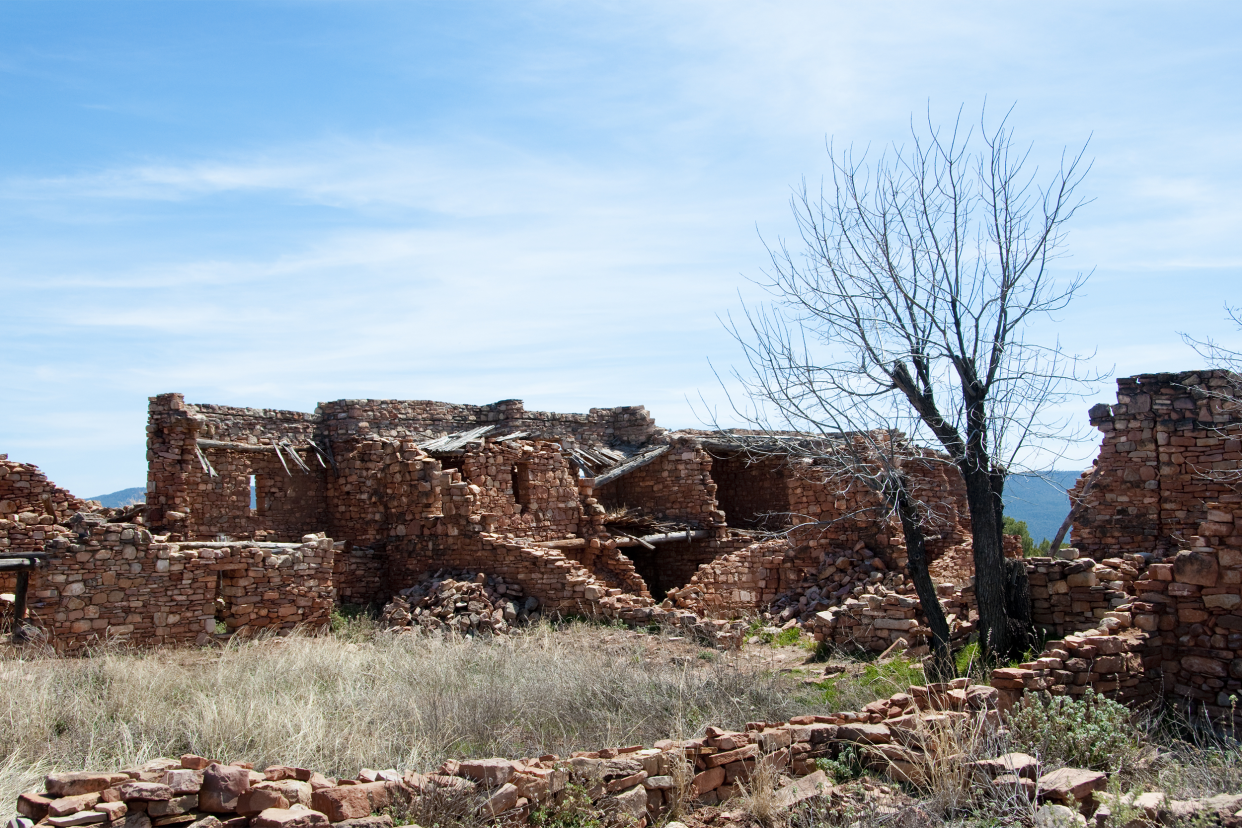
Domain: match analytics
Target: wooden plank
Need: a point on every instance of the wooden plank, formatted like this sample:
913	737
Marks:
628	466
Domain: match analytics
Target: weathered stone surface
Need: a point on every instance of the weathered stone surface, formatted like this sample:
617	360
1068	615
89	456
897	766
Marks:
1019	764
256	800
373	821
289	818
222	786
872	734
73	784
504	798
137	819
491	773
173	807
33	805
815	784
708	780
144	791
183	781
72	804
1071	784
1053	815
628	805
1199	568
114	810
79	818
352	801
294	790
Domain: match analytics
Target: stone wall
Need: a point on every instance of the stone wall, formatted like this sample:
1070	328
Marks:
424	419
1075	595
677	485
114	582
1166	442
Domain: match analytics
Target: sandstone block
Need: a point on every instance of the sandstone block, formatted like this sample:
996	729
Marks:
79	818
628	806
505	798
256	800
491	773
1071	784
183	781
289	818
1200	568
73	784
144	791
222	786
173	807
72	804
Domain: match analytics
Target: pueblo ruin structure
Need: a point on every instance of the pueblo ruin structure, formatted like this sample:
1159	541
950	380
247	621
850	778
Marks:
265	520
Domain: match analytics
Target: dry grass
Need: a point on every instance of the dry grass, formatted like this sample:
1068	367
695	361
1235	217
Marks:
336	704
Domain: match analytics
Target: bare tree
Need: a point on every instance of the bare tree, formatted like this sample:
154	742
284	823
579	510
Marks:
907	308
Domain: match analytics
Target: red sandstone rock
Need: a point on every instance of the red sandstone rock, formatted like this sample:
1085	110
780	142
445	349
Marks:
72	784
289	818
222	786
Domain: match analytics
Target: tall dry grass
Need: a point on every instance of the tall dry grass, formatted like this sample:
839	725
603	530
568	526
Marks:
336	704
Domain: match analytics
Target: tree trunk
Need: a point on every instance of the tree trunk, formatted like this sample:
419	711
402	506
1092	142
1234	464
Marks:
942	668
990	576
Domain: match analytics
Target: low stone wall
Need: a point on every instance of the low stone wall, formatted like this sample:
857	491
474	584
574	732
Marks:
633	786
1074	595
113	582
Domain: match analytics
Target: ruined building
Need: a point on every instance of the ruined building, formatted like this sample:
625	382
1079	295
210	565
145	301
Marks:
261	519
264	520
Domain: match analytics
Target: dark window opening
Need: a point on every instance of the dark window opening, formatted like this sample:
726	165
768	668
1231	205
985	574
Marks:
521	485
219	605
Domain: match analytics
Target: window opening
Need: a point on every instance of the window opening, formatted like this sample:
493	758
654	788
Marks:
521	486
254	495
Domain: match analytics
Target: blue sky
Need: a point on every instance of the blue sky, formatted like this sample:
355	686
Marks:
273	204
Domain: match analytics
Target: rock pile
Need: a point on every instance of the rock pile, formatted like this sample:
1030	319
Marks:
467	603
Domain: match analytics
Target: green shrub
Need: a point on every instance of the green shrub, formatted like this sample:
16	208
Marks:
573	809
851	691
1089	732
848	765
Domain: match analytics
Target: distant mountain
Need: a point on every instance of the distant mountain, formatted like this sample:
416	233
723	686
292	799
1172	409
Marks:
125	497
1039	499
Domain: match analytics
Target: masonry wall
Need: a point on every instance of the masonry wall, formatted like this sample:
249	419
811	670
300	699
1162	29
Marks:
185	498
1165	440
753	492
678	485
425	419
526	488
112	582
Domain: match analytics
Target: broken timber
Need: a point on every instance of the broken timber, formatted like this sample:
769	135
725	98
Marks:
628	466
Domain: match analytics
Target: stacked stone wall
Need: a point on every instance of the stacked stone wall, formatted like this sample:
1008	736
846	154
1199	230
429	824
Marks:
677	485
1070	596
360	575
424	419
1170	443
114	582
753	492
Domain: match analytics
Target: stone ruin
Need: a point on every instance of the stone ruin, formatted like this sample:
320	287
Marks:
265	520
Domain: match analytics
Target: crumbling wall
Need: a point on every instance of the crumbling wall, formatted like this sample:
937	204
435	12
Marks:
114	582
753	492
26	490
526	488
678	485
1166	442
1069	596
201	491
425	419
360	575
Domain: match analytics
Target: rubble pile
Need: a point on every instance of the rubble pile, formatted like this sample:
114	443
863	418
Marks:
468	603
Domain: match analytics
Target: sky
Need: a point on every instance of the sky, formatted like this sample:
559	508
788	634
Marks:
273	204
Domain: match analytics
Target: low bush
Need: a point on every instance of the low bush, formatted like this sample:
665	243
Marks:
1088	732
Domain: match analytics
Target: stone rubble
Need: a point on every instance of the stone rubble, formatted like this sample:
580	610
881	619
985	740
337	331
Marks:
466	603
